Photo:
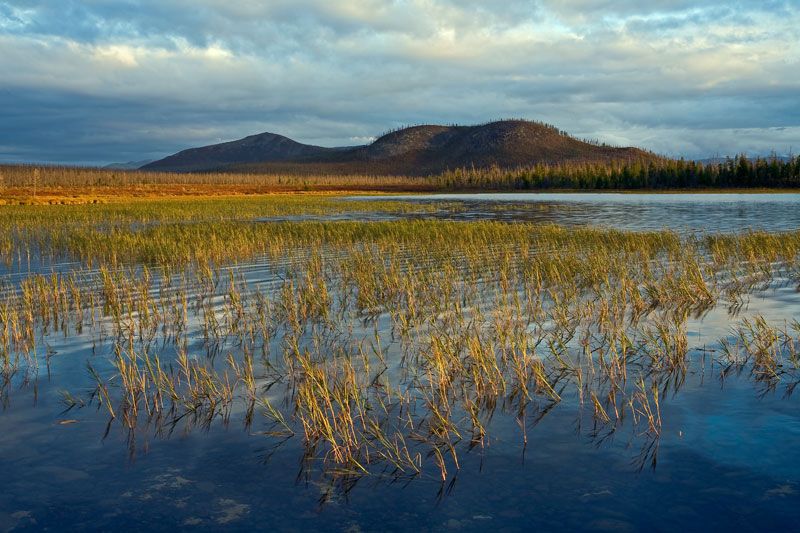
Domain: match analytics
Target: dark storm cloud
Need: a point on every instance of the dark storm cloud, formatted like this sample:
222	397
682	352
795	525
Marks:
100	81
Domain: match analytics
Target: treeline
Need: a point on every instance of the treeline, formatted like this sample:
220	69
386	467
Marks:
27	179
737	172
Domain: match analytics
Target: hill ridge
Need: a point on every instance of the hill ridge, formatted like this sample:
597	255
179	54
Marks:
413	150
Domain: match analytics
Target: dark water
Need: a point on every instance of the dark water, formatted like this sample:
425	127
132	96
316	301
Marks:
713	213
726	460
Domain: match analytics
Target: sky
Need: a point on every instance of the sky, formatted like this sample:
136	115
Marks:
100	81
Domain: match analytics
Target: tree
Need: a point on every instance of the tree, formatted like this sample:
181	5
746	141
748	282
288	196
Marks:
35	178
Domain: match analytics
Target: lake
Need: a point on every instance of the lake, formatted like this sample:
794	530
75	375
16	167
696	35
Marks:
707	442
717	212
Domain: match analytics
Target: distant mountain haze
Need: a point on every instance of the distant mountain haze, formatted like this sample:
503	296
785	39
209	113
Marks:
129	165
416	150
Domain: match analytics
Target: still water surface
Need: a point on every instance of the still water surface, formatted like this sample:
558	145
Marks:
712	213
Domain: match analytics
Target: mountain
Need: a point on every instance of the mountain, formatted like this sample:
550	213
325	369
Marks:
416	150
130	165
264	147
716	160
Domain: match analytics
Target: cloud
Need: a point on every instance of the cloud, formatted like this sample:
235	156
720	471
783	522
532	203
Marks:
113	80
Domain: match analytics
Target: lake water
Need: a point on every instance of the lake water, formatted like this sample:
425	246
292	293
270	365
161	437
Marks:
713	213
726	459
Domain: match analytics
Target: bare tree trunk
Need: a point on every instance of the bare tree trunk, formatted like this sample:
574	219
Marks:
35	180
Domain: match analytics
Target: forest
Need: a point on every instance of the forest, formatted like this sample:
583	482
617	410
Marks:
736	172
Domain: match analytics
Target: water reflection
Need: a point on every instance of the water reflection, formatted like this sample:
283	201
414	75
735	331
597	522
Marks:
712	213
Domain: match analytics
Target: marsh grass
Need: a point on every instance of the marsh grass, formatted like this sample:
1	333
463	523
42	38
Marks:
38	232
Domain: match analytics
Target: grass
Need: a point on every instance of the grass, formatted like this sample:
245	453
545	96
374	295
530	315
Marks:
385	347
43	230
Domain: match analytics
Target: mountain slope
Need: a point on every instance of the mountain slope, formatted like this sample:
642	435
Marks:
511	143
416	150
263	147
130	165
